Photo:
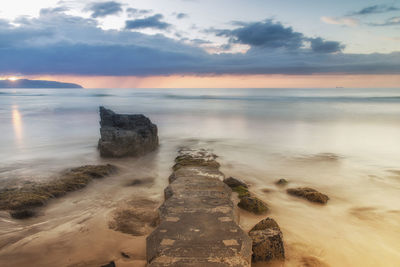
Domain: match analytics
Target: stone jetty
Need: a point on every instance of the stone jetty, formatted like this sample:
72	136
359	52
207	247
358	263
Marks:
126	135
198	223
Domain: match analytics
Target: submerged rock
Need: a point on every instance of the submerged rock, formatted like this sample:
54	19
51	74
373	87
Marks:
281	182
136	218
22	214
110	264
267	241
309	193
234	182
253	204
126	135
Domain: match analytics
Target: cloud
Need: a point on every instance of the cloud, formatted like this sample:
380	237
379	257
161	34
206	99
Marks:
103	9
269	34
346	21
149	22
132	12
58	43
182	15
264	34
321	46
393	21
375	9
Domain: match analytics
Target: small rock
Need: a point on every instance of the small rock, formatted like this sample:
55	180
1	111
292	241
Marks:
234	182
110	264
22	214
267	190
253	204
267	241
138	182
123	254
309	193
266	223
281	182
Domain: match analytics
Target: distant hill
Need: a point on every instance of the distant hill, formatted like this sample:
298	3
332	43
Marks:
25	83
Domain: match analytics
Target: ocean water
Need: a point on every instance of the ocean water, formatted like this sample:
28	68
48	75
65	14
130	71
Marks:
343	142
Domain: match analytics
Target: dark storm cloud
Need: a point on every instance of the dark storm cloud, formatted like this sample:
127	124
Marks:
149	22
103	9
57	43
375	9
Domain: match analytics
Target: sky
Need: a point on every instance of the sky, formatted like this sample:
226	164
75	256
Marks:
202	43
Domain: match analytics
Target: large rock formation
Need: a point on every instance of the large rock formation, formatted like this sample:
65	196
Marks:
126	135
198	223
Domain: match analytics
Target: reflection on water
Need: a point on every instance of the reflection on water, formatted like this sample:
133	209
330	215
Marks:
17	123
342	142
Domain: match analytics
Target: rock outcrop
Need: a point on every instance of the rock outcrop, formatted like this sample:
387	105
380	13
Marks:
267	241
309	194
198	224
126	135
22	201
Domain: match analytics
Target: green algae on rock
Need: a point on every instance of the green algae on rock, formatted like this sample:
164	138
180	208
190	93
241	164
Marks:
198	158
308	193
253	204
242	191
234	182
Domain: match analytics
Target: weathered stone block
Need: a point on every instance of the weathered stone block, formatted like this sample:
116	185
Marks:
126	135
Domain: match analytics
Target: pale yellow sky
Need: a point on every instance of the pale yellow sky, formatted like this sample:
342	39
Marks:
231	81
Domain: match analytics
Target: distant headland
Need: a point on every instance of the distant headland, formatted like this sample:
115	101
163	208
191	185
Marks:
26	83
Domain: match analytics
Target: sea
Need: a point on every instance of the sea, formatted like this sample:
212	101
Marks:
343	142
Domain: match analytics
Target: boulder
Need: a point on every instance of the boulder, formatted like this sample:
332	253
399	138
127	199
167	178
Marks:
126	135
309	193
267	241
234	182
253	204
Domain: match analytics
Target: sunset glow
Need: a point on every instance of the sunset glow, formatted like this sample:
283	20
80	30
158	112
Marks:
230	81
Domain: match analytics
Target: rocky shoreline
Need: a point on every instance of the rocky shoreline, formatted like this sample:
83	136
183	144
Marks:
198	222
